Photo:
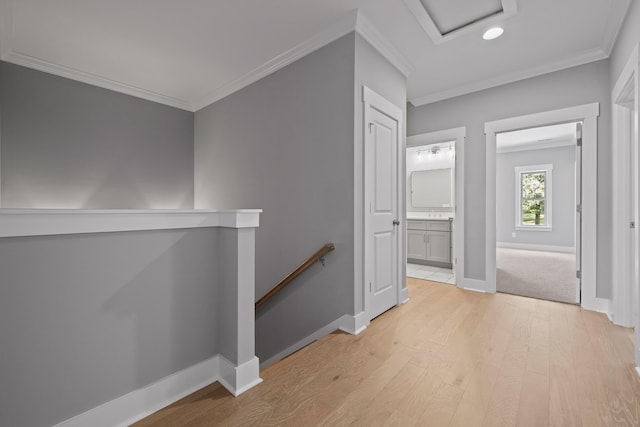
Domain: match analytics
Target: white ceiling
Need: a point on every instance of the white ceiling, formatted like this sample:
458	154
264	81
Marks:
533	138
190	53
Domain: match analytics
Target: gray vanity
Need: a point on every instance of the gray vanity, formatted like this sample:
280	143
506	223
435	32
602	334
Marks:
429	241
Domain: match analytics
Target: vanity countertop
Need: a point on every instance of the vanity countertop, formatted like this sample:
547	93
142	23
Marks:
419	217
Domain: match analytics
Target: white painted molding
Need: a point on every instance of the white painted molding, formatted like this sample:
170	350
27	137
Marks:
140	403
475	285
532	247
94	79
238	379
404	296
341	28
437	137
44	222
614	25
354	324
365	28
637	370
584	58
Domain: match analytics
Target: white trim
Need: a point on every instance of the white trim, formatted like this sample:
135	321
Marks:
587	113
341	28
372	100
548	170
509	9
621	304
583	58
637	370
238	379
138	404
475	286
45	222
350	324
616	19
404	294
533	247
458	135
365	28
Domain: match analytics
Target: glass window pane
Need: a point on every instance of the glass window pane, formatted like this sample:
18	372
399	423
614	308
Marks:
532	187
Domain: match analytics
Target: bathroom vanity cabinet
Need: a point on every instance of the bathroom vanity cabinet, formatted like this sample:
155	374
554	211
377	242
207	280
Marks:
429	242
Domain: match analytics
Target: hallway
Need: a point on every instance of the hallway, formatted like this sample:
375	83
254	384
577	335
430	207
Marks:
448	357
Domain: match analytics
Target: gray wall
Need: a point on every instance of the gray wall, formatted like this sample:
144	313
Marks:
628	38
575	86
66	144
285	144
562	193
375	72
87	318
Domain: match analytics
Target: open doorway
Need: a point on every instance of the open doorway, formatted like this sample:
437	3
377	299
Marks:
537	223
435	206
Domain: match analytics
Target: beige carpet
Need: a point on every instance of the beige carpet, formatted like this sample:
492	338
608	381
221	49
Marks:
536	274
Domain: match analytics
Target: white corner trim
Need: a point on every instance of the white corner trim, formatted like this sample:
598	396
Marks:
238	379
93	79
354	324
600	305
584	58
46	222
365	28
533	247
475	285
404	297
343	27
140	403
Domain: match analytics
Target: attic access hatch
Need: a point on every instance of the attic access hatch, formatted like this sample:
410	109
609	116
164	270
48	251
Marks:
446	20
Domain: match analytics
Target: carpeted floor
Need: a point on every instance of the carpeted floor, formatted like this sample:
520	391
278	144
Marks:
537	274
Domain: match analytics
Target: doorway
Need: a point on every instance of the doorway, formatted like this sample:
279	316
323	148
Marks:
435	206
588	114
537	223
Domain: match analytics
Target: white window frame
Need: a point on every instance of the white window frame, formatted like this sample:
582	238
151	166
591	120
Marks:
548	170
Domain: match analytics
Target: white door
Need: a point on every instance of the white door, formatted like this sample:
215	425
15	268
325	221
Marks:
381	210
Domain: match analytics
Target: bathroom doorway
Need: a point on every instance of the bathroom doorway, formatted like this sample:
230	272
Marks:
434	171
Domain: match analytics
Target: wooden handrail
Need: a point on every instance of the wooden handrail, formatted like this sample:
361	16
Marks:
295	273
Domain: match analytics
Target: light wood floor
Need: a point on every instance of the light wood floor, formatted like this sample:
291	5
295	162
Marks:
446	358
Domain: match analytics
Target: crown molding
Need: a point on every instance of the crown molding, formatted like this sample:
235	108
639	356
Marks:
365	28
614	25
341	28
584	58
93	79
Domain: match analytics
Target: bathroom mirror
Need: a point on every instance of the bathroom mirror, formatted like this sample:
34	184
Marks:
432	188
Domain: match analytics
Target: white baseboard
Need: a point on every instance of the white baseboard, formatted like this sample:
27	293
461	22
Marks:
354	324
138	404
637	370
474	285
238	379
404	296
532	247
601	305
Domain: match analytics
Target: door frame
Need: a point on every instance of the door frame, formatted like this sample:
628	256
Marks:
588	114
371	99
458	135
623	140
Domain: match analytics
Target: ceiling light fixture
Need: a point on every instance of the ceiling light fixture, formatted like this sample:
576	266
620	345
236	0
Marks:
492	33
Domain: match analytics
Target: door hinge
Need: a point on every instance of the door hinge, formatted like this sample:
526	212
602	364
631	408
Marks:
578	274
369	287
370	126
632	224
579	134
579	208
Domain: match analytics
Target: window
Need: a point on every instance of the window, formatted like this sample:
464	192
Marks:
533	197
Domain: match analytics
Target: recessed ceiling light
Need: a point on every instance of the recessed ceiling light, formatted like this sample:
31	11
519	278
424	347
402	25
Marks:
492	33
